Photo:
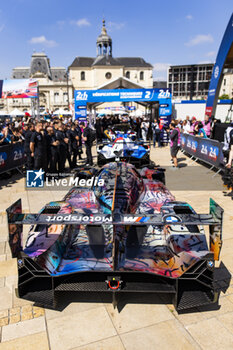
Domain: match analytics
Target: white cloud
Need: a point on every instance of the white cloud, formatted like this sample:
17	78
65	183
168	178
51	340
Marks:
42	40
82	22
2	27
200	39
189	17
115	25
211	54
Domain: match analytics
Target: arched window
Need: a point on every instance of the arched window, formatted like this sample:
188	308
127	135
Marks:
141	75
82	75
105	49
127	74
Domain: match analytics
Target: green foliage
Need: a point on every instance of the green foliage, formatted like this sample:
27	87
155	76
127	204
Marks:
224	97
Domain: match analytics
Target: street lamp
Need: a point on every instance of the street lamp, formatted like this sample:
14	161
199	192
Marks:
67	87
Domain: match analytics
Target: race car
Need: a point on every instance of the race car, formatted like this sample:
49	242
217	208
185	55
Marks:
119	130
125	234
124	149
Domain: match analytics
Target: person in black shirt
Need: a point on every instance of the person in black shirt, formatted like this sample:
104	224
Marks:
52	150
99	129
88	143
68	147
174	136
79	132
28	131
38	147
62	147
74	145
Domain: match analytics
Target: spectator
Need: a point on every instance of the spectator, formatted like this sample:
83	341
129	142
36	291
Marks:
188	120
88	143
52	150
99	129
38	147
144	130
207	125
199	130
28	131
79	132
186	127
138	128
62	147
174	145
74	145
156	133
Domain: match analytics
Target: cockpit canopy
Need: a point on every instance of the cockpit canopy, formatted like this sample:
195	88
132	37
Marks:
129	187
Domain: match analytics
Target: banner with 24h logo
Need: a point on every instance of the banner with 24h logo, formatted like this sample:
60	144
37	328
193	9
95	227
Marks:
11	157
207	150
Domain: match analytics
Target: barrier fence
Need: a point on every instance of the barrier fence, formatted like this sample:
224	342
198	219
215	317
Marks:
207	150
11	157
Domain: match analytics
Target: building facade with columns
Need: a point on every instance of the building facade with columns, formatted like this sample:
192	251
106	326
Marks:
55	88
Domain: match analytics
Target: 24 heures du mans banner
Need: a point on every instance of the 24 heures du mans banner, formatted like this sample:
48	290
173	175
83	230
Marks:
11	156
18	88
207	150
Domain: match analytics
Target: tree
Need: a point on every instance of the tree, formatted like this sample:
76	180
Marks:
224	97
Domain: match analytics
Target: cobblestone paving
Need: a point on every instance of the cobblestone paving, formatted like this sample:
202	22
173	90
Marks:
146	322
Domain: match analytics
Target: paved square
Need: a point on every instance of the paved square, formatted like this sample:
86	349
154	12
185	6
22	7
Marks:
143	322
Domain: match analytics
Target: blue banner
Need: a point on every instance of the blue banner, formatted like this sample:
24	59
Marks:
223	53
11	156
163	96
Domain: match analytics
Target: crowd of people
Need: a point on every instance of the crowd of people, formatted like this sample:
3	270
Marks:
49	143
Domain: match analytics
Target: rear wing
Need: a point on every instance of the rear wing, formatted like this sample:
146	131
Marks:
214	220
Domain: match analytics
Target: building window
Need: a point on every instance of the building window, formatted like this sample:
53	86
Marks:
65	97
56	97
127	75
141	75
108	75
224	83
82	75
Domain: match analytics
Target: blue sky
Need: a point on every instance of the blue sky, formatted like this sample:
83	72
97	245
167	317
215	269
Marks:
162	32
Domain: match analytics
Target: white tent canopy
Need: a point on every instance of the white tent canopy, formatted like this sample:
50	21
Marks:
4	113
61	111
16	112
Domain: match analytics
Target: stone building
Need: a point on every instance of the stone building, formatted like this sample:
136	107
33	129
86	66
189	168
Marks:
98	72
55	88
